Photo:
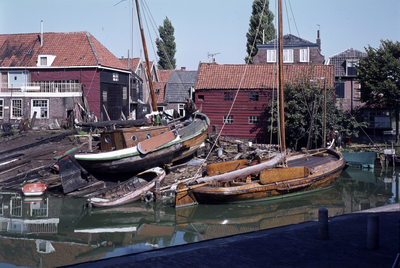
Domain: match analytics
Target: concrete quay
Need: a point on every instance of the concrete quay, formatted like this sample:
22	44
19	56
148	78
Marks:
298	245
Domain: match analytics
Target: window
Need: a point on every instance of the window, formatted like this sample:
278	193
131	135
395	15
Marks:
253	96
16	108
228	119
41	107
1	108
271	55
115	77
228	96
16	206
181	109
339	92
201	97
124	93
351	67
288	55
104	96
254	119
43	61
304	55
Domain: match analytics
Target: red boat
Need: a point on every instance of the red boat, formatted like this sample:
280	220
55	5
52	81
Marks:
33	189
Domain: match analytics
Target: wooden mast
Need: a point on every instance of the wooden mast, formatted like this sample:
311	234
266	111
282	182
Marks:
280	71
149	77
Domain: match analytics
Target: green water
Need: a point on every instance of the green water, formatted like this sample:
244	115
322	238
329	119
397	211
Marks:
53	231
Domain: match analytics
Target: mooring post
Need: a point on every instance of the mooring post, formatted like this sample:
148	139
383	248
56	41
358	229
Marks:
323	231
373	232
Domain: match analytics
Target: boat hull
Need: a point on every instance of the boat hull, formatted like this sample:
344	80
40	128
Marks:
325	169
127	192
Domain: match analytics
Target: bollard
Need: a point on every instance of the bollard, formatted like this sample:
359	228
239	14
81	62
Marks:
323	230
373	232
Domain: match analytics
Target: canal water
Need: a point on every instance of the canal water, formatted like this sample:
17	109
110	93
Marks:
53	231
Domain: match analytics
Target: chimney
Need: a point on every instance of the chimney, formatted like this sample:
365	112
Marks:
318	41
183	68
41	33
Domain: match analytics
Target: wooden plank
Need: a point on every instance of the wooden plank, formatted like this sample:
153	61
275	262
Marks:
223	167
282	174
184	197
151	144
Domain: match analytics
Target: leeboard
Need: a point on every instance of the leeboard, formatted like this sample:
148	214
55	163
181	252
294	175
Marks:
153	143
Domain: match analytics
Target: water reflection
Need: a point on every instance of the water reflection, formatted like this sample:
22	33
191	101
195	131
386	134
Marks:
52	231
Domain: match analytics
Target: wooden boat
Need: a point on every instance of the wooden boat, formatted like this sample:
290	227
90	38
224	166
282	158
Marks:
128	191
34	189
139	148
280	177
360	159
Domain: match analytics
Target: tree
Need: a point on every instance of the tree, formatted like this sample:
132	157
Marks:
379	73
304	110
266	25
166	47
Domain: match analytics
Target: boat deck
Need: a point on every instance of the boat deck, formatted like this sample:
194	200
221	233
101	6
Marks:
311	161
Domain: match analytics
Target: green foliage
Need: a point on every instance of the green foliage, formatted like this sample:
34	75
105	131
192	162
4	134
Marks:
266	25
303	97
166	47
379	74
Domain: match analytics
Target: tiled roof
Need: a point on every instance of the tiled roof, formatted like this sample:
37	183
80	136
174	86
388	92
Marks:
290	39
133	63
70	49
160	95
215	76
163	75
179	85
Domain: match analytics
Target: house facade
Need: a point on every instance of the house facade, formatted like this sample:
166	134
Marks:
296	51
60	76
346	84
246	91
180	86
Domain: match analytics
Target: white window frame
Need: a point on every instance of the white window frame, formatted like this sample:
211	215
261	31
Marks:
271	55
39	109
228	119
288	55
115	77
124	93
181	109
12	109
45	60
305	55
1	108
254	119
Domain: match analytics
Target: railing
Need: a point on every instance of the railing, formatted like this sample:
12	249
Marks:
44	86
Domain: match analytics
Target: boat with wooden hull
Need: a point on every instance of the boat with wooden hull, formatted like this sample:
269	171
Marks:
137	149
305	173
128	191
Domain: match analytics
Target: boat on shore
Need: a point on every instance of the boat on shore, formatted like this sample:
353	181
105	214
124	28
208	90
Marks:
279	177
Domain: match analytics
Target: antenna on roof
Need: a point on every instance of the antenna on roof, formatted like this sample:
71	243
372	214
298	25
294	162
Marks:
211	55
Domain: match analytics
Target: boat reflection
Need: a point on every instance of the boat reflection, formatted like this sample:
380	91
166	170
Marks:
52	231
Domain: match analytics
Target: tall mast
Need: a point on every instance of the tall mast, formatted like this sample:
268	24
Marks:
280	71
149	77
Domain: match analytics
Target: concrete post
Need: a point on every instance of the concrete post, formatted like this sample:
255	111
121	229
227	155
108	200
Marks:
323	230
373	232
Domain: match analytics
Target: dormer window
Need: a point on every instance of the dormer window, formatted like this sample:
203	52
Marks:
45	60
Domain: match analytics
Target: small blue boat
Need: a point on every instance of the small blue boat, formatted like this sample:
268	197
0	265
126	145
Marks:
360	159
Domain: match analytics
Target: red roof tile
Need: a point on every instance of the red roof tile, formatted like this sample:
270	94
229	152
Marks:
160	95
163	75
215	76
70	49
133	63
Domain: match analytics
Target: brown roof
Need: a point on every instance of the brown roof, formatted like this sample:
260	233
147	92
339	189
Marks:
215	76
70	49
161	86
133	63
163	75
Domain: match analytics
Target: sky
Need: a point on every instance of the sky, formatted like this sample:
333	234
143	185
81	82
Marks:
204	27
